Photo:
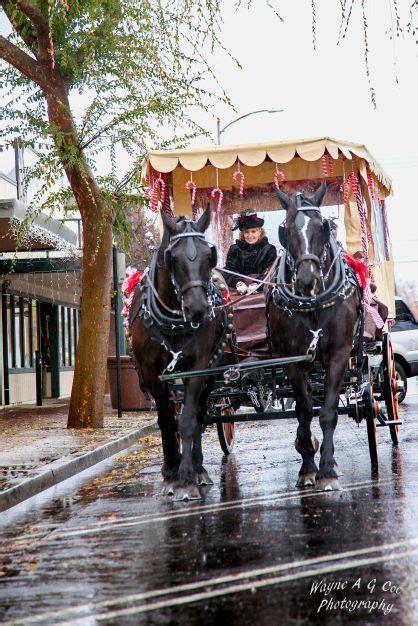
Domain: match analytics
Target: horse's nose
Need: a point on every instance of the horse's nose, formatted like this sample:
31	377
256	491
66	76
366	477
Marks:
197	316
307	287
195	305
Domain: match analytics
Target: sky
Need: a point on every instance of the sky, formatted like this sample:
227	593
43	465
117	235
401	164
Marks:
324	91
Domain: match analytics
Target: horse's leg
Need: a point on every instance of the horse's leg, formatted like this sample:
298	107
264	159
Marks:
306	443
327	477
190	431
169	439
203	477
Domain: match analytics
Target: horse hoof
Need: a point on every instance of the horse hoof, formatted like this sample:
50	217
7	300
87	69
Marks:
203	478
167	488
187	492
306	480
327	484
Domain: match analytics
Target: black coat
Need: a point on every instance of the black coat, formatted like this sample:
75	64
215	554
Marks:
249	259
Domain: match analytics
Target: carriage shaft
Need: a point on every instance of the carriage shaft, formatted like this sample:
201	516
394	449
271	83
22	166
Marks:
241	367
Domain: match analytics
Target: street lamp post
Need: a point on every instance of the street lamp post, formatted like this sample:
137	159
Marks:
220	130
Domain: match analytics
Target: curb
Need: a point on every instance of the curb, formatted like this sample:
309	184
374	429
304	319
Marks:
34	486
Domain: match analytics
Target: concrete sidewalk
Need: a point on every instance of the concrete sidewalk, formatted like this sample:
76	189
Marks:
37	451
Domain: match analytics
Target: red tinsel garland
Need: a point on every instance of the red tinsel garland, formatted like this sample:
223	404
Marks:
359	268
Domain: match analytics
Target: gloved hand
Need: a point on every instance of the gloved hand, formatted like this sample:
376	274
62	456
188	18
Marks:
253	287
241	287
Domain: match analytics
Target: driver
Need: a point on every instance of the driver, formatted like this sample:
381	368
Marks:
251	255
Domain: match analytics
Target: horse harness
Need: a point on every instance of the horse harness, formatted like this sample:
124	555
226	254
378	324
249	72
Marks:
166	326
191	254
341	287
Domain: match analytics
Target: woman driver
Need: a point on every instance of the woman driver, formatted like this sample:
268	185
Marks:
251	255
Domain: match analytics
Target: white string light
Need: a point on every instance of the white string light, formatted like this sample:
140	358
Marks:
52	287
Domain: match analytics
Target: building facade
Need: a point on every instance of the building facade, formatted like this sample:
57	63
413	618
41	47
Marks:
40	307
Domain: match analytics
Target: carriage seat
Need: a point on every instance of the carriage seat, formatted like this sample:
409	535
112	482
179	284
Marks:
250	325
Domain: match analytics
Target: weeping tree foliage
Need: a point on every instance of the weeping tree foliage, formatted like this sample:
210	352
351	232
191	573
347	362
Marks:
397	27
138	65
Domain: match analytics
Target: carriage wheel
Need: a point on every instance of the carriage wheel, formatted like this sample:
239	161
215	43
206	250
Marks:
371	410
226	431
390	387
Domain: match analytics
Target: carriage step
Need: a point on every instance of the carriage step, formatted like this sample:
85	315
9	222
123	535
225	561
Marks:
389	423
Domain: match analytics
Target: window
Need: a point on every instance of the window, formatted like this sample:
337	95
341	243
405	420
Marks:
68	334
75	333
10	331
18	334
62	333
70	350
21	331
34	320
27	334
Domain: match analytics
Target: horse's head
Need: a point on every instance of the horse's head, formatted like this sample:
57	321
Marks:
305	238
189	258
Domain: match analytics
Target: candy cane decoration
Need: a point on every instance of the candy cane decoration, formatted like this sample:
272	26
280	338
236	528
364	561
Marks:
276	177
171	206
220	236
158	189
354	182
220	194
324	166
370	184
192	184
327	165
242	176
345	188
360	206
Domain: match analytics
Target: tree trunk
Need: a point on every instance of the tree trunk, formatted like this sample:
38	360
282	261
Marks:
87	394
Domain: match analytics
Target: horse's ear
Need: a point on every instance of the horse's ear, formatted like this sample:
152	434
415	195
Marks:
285	201
326	227
319	194
169	223
203	222
283	235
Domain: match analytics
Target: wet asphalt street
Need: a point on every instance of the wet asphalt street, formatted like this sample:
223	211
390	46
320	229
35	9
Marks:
106	549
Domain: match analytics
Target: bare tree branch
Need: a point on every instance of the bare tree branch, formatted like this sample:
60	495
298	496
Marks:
100	132
21	61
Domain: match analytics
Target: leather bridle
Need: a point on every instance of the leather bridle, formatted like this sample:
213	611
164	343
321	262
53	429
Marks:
191	254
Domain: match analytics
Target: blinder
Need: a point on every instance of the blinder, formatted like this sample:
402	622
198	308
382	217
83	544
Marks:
191	251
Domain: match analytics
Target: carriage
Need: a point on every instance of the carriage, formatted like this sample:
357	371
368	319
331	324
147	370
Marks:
250	383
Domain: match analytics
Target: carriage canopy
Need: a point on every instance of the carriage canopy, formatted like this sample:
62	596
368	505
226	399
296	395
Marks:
242	177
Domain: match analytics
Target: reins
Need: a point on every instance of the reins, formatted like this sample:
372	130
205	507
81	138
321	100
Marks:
253	280
176	312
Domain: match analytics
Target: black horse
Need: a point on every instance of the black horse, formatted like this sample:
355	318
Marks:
322	310
175	325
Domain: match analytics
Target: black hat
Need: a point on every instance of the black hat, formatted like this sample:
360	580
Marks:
249	220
